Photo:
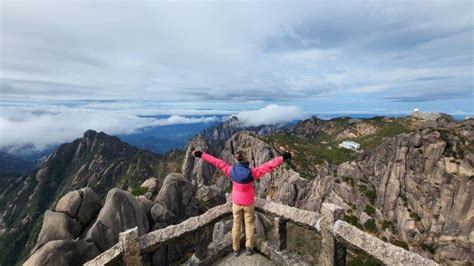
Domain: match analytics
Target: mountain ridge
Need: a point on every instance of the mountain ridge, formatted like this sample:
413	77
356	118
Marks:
96	160
319	172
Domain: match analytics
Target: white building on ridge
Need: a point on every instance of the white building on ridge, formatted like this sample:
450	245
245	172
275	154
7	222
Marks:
351	145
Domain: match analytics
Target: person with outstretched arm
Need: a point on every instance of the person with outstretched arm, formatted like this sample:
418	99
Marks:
242	177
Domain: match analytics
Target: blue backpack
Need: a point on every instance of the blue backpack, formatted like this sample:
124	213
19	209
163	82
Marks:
241	173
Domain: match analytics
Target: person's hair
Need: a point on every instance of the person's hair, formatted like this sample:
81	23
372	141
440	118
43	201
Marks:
241	156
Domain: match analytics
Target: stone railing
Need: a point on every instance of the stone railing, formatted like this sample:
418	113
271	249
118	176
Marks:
336	235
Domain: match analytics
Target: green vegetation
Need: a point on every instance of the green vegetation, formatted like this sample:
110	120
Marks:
401	244
311	151
415	216
298	238
362	260
138	191
370	226
430	248
387	130
369	210
369	192
228	188
352	219
348	179
387	224
324	144
404	199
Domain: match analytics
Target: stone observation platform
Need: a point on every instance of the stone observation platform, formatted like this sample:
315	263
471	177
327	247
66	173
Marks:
255	259
336	236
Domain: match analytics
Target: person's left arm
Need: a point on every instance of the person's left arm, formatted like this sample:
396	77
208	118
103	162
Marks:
267	167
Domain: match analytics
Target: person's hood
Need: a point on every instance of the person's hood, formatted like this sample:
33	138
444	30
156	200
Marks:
241	173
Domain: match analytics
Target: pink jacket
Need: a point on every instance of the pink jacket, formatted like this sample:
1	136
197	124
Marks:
243	194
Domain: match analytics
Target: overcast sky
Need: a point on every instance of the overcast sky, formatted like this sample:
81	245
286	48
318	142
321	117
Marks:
227	57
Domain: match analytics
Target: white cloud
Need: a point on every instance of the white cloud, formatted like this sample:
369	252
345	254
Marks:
42	128
371	89
204	50
270	115
177	119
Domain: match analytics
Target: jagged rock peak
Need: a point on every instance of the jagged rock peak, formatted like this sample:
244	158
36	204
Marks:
197	171
308	126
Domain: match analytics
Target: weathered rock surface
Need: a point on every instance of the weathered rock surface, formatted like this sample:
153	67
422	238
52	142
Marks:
308	127
424	187
63	252
358	129
145	203
152	185
162	215
196	170
57	226
176	195
69	203
121	211
82	204
90	205
211	196
220	229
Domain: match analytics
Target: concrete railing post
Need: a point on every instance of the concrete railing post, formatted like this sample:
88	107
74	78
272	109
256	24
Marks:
332	252
279	233
203	237
131	247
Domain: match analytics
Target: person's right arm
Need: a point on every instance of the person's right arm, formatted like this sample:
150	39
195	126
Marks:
223	166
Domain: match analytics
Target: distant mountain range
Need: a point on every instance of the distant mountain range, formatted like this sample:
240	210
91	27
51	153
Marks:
10	164
161	139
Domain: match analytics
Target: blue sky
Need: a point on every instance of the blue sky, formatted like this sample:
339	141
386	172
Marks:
91	60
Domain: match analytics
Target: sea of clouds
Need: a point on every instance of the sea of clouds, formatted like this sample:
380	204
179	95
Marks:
46	126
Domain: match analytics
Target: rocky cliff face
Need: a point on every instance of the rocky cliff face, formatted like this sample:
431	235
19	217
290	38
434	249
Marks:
96	160
197	171
425	186
413	189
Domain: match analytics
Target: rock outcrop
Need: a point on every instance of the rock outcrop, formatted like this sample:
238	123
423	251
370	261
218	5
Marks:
176	195
210	195
63	252
415	187
151	184
196	170
57	226
121	211
70	203
82	205
424	189
74	211
162	215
